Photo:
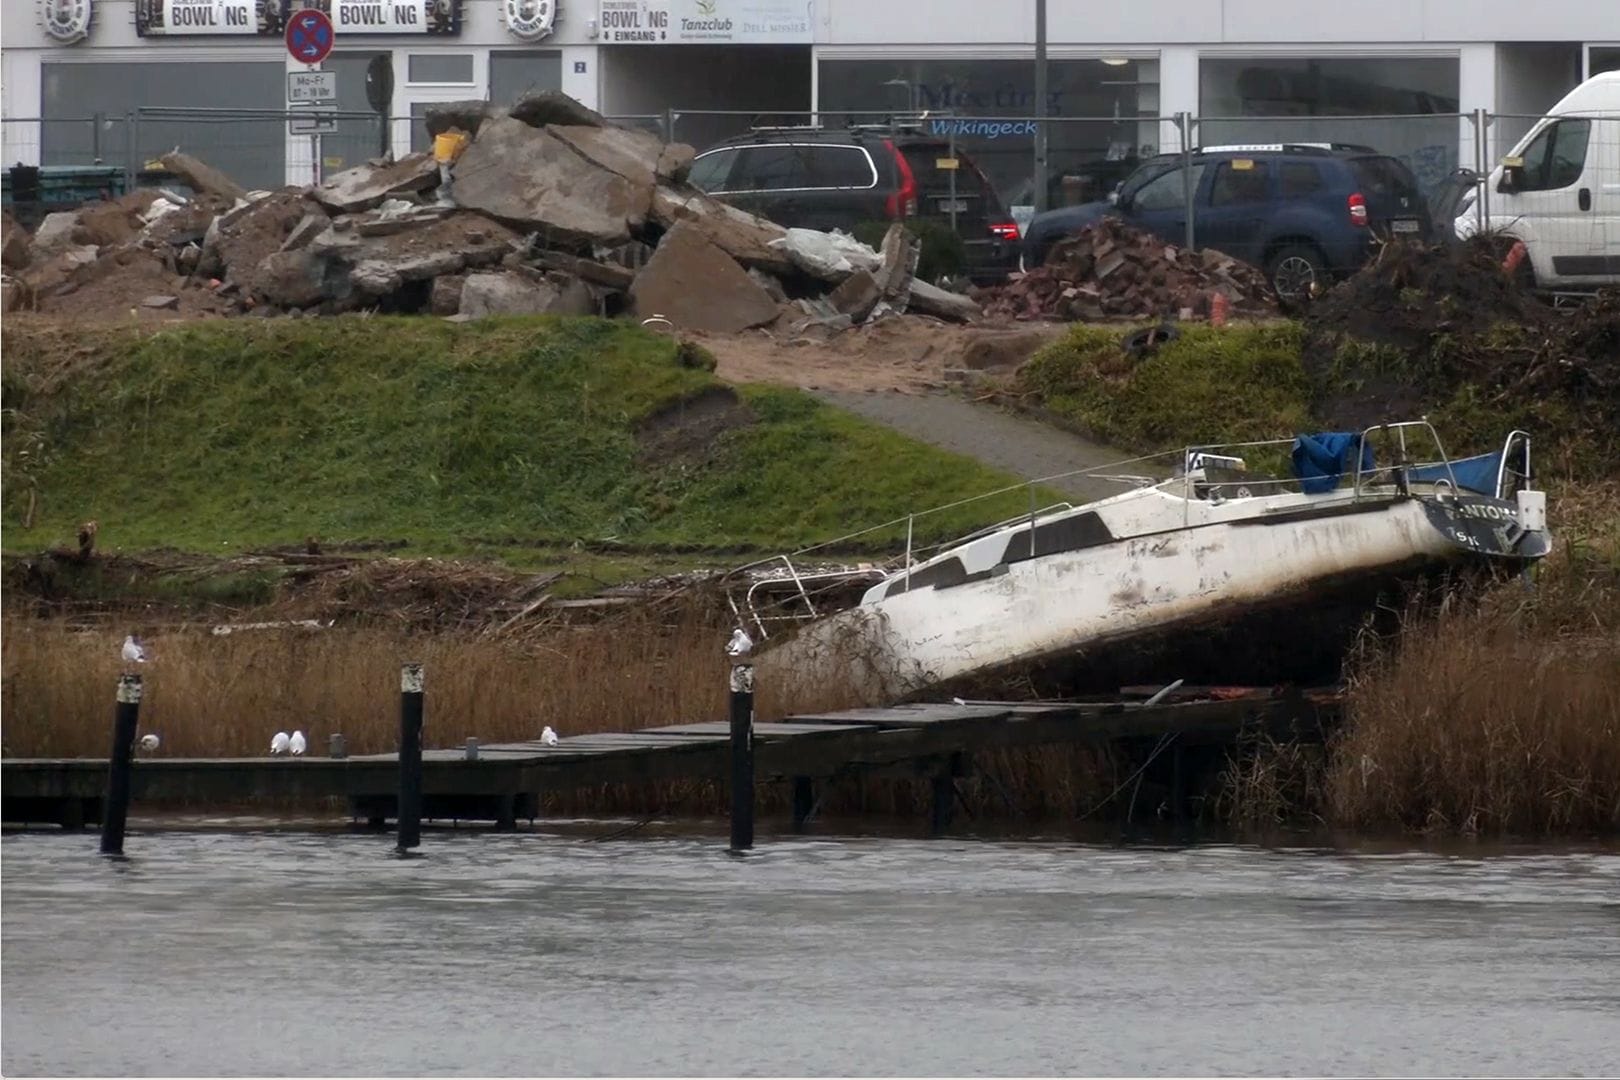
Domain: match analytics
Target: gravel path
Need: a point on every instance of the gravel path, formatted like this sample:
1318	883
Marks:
1026	448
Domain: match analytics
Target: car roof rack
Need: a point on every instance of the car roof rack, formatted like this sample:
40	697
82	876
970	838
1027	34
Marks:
1287	148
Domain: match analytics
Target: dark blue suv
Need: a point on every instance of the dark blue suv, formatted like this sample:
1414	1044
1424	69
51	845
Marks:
1304	213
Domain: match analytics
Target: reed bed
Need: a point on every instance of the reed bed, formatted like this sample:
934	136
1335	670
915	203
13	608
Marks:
209	696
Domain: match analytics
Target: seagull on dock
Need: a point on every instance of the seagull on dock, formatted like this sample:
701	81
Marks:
150	742
279	743
740	644
548	736
134	653
296	744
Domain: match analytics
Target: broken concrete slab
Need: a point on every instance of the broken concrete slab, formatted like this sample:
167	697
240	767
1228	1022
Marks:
364	186
631	154
857	295
530	178
606	274
541	107
694	284
307	229
465	115
202	176
55	233
741	235
827	256
507	294
445	299
162	303
381	276
299	278
675	162
900	252
932	300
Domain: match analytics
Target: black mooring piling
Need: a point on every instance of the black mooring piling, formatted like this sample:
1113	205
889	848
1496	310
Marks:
126	717
742	757
410	757
804	802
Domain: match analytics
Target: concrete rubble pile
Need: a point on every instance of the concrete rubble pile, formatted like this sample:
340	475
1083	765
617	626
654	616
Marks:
549	208
1111	270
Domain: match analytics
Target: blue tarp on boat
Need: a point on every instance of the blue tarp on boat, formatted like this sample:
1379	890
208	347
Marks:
1476	474
1320	460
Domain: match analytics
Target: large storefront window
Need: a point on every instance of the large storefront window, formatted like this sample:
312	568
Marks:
1412	103
252	151
1096	134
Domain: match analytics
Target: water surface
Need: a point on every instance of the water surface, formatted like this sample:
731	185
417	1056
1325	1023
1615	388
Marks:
535	953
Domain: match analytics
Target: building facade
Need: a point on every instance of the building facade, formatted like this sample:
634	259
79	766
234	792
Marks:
120	81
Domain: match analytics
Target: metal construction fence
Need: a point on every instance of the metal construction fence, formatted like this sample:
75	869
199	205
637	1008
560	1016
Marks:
1086	157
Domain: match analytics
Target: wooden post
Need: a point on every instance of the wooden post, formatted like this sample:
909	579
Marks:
742	756
126	716
410	757
804	801
944	802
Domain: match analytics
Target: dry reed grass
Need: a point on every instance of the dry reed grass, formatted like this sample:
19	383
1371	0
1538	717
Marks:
216	696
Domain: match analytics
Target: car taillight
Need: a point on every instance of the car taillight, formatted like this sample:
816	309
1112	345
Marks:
903	203
1358	209
1004	230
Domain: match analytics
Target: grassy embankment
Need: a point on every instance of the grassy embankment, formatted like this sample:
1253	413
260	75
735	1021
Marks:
1497	713
531	440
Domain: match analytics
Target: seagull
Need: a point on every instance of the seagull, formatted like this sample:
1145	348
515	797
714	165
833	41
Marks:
548	736
150	742
133	652
296	744
740	644
279	744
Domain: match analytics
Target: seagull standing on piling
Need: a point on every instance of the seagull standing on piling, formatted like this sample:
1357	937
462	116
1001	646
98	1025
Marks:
133	652
740	644
548	736
296	744
279	743
150	742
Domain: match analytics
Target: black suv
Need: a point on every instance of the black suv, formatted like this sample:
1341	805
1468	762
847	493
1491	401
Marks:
836	178
1302	212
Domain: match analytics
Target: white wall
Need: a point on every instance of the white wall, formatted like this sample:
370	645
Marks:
982	23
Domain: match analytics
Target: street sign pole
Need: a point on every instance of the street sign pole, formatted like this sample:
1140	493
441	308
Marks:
309	41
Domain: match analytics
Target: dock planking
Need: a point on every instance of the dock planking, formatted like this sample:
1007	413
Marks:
909	739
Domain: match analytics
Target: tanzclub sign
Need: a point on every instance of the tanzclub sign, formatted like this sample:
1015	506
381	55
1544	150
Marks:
706	22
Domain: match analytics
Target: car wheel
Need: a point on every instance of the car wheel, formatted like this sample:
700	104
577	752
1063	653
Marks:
1294	269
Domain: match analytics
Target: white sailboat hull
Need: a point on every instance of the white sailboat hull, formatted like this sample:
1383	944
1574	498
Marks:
903	639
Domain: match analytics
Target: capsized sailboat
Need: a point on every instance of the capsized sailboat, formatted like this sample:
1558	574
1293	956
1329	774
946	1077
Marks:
1215	538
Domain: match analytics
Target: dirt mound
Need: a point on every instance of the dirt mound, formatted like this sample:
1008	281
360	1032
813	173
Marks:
1410	293
1419	325
1113	270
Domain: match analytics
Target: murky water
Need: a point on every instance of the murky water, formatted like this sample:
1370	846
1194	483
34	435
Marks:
289	953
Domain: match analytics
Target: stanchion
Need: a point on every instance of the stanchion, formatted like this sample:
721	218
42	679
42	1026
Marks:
410	757
126	716
742	756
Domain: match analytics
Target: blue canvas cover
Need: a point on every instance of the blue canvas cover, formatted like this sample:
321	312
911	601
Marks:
1320	460
1477	474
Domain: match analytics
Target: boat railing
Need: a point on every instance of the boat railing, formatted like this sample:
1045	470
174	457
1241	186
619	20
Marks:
1170	465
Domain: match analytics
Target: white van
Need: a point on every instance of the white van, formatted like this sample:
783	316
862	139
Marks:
1559	190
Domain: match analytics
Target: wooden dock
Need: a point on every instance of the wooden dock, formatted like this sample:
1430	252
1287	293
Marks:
504	782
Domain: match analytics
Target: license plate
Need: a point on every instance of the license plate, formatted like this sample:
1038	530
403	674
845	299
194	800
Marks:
1403	225
946	206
